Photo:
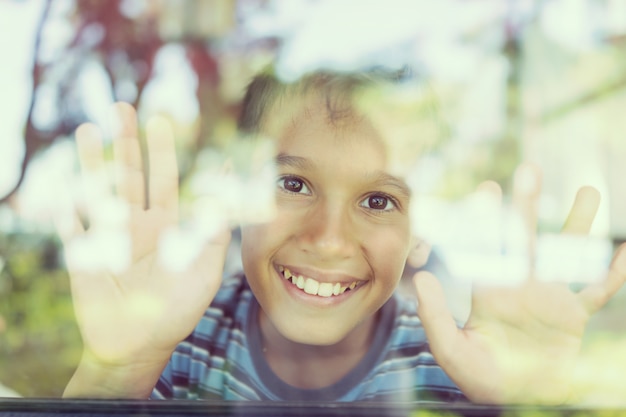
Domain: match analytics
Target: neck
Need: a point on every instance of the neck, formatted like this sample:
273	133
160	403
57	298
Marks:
314	366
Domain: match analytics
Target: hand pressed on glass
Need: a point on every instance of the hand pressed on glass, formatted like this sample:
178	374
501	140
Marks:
521	343
133	312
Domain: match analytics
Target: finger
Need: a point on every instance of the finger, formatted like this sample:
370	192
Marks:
96	188
90	148
595	296
527	181
526	190
163	178
438	322
418	257
129	178
487	201
68	226
491	189
583	211
487	224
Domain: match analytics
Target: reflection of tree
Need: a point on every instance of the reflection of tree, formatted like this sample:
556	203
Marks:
125	47
33	139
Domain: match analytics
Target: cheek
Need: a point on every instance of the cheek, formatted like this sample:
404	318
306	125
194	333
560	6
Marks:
251	245
285	222
389	250
259	241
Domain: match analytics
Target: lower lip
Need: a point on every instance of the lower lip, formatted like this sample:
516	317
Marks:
314	299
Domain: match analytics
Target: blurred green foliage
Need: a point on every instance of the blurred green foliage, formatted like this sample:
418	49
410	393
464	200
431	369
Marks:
40	343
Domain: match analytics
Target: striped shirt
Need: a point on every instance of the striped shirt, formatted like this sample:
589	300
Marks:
222	359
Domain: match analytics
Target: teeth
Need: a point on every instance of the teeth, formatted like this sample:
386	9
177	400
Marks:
325	289
313	287
300	282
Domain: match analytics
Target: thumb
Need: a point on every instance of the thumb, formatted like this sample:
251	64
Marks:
436	317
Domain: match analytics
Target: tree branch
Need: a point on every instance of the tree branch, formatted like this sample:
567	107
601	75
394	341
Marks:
31	136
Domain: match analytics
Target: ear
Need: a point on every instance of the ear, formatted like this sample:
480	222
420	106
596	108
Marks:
420	251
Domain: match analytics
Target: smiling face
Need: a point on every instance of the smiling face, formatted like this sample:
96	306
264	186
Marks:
335	251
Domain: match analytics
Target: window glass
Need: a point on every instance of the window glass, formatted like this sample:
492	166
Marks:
387	139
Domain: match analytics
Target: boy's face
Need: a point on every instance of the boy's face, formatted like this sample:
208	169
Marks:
342	220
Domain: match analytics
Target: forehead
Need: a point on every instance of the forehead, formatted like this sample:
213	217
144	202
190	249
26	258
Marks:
339	124
317	128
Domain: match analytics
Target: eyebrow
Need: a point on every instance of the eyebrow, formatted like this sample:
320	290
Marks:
293	161
384	179
380	178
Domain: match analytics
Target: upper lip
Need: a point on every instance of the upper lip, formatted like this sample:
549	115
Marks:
321	276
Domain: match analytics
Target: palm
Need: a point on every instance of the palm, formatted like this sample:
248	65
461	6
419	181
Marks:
520	343
527	338
146	306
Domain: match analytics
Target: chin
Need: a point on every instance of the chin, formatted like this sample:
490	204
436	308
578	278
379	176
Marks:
316	340
305	335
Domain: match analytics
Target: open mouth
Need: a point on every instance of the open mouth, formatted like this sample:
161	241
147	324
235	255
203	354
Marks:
314	287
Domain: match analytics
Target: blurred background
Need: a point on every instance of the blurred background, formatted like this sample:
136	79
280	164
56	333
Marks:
541	81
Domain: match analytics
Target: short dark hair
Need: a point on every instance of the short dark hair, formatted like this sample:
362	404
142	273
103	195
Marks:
334	87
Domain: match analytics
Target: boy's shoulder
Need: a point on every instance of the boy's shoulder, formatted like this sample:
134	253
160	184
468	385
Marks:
233	288
406	327
216	351
232	300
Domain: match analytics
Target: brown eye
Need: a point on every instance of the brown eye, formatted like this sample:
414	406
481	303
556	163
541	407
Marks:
293	185
378	202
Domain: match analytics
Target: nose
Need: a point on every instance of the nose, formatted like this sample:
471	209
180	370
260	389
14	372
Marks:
328	232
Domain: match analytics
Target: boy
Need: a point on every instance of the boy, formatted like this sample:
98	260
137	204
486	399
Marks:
314	318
